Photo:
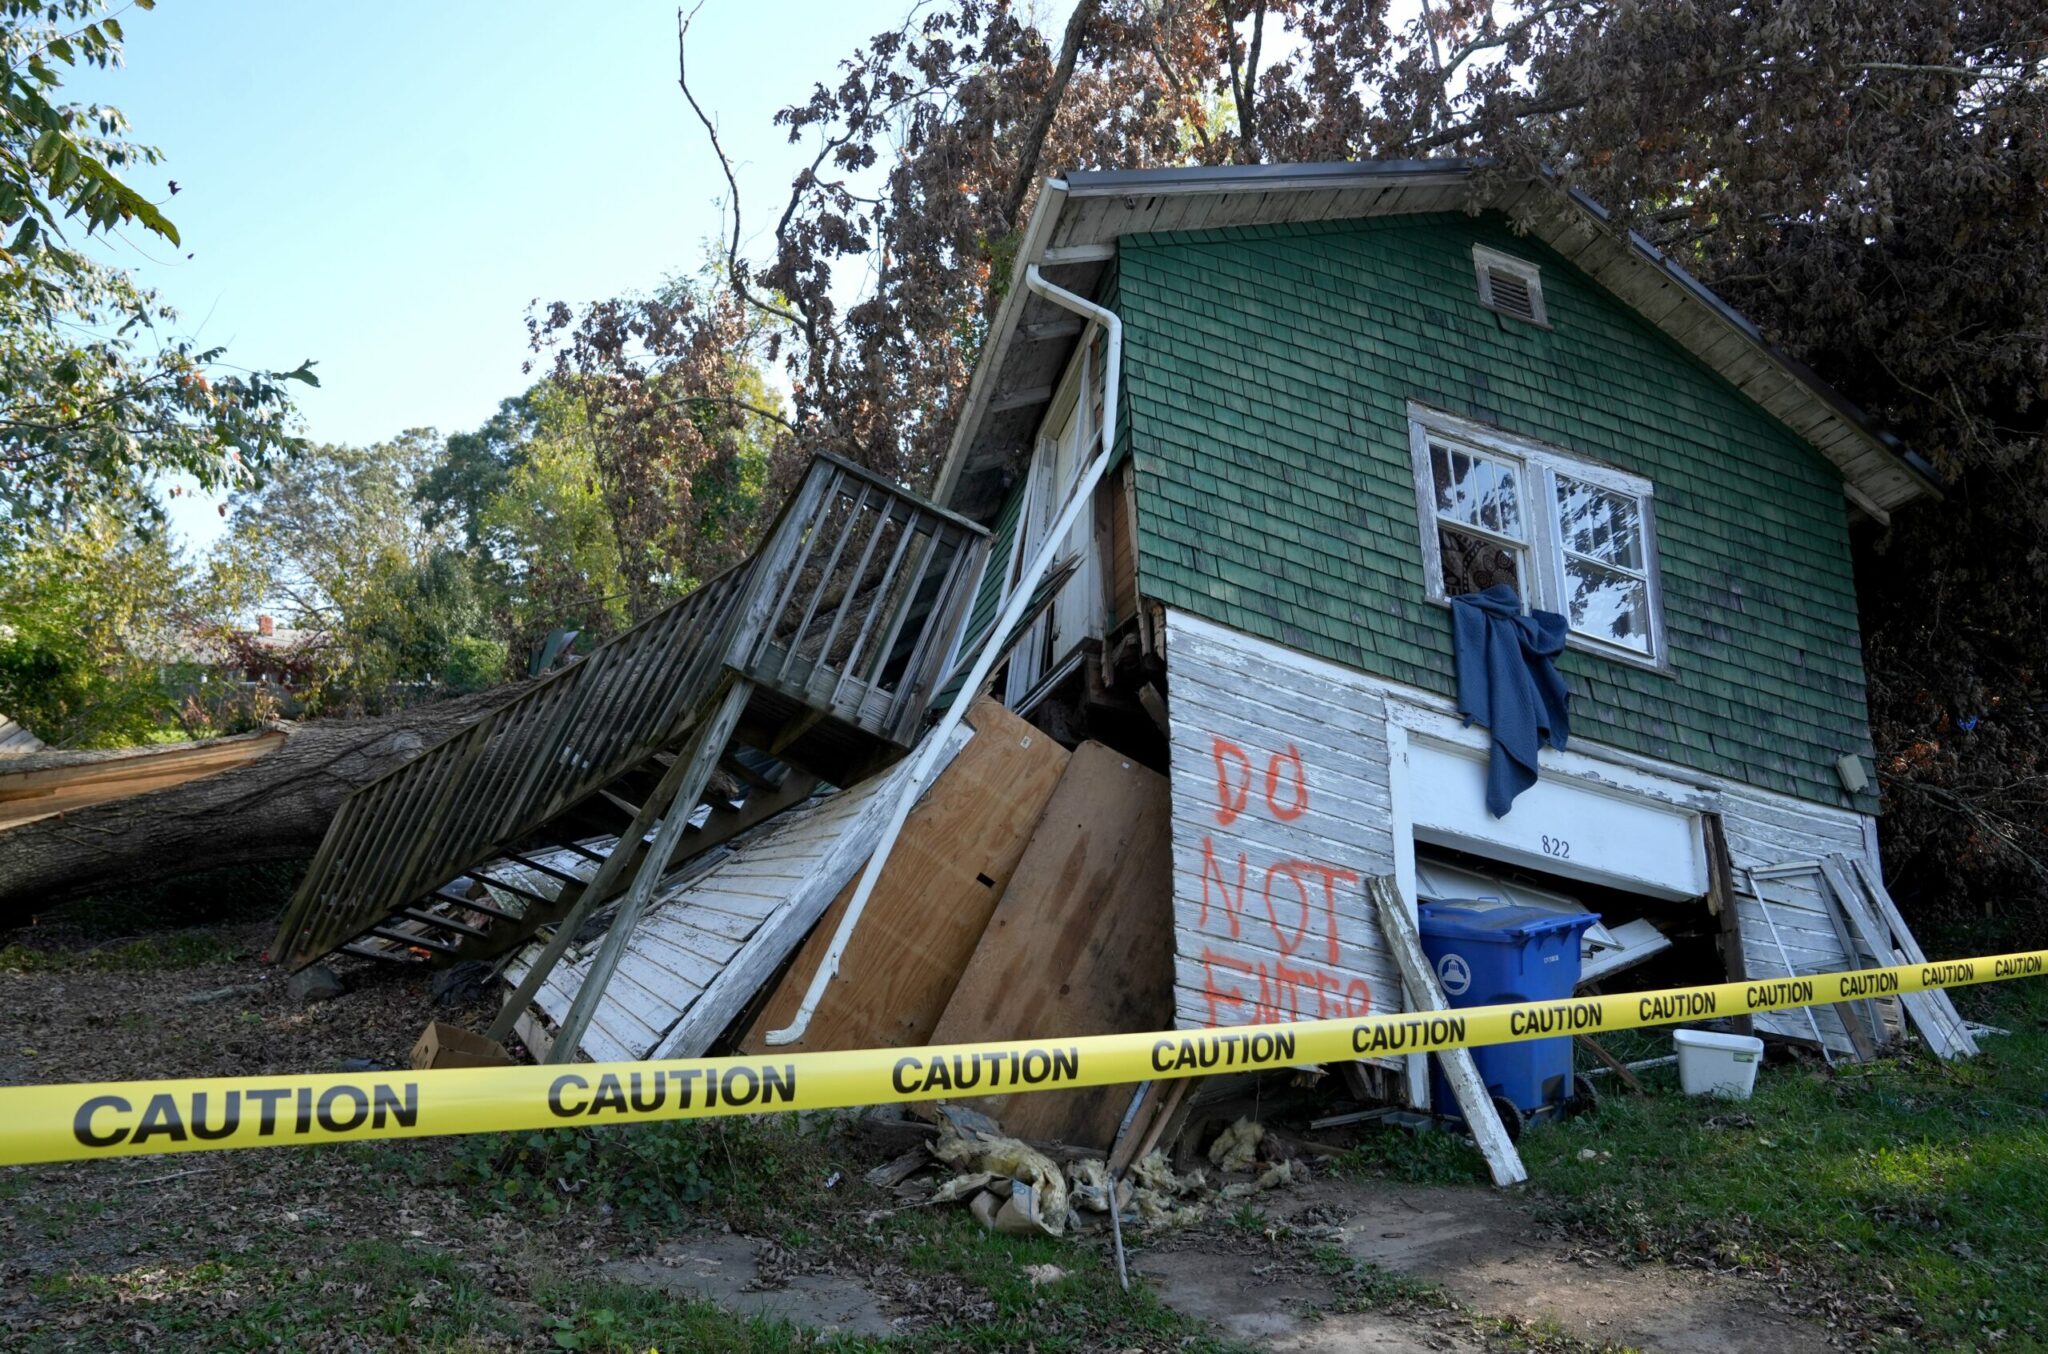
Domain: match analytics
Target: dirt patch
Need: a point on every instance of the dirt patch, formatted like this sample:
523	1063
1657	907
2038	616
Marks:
1489	1254
1490	1261
1285	1312
726	1270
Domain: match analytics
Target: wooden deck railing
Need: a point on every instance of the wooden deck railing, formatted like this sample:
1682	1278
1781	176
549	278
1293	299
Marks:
848	610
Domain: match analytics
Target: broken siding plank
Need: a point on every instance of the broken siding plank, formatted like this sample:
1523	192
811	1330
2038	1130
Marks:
1792	1026
690	945
1937	1022
1810	952
717	926
604	1045
1765	830
674	970
633	1013
690	937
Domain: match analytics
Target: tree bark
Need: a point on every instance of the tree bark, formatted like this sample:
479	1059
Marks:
273	809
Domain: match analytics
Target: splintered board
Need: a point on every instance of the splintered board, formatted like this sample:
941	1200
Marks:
41	784
1082	942
957	854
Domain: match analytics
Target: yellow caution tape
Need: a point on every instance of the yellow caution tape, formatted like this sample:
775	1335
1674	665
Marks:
128	1118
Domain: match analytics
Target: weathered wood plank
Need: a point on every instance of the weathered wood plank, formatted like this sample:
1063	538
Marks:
1937	1021
956	856
1081	942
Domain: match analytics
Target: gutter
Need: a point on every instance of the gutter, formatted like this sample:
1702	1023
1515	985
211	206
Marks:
993	646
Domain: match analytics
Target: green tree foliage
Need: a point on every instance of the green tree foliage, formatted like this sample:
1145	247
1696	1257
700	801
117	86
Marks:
339	547
92	645
549	553
475	467
687	436
96	394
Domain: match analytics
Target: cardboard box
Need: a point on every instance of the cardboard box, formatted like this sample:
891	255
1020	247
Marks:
447	1046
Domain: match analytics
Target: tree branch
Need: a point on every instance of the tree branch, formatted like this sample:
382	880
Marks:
1041	126
732	253
734	402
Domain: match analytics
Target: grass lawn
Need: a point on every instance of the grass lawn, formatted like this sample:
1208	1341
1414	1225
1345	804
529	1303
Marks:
1907	1188
1905	1198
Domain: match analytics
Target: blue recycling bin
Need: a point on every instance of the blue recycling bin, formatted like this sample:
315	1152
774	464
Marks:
1486	951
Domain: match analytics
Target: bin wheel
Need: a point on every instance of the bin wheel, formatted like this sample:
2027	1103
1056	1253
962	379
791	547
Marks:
1584	1098
1511	1117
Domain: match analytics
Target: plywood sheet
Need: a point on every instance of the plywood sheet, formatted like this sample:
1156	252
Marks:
1081	943
955	858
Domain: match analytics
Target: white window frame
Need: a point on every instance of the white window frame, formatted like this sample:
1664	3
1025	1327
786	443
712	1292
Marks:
1531	275
1537	467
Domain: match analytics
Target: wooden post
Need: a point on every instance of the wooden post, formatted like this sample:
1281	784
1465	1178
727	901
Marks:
597	890
1474	1102
1721	902
1888	913
701	756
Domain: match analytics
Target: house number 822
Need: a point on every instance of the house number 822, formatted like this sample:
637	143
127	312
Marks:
1556	846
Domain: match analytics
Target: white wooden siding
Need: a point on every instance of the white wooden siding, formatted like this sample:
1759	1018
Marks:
1765	830
714	935
1308	845
1268	701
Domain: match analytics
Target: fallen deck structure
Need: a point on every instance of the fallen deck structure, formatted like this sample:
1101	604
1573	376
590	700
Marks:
817	655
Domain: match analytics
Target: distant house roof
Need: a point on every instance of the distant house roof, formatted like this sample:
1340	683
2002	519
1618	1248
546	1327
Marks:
1073	232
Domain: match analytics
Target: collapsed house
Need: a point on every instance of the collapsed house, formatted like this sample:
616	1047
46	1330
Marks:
1235	439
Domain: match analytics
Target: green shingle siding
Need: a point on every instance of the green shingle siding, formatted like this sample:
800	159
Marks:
1267	372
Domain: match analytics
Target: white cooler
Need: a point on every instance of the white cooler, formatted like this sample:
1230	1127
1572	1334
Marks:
1717	1064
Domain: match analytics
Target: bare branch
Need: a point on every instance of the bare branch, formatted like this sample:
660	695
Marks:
732	253
1034	141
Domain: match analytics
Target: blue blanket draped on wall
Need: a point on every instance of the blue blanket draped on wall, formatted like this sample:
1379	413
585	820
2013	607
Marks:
1508	682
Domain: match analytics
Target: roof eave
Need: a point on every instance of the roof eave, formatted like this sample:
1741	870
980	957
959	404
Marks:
1833	424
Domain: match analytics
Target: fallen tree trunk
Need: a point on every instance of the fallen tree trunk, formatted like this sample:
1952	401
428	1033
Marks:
273	809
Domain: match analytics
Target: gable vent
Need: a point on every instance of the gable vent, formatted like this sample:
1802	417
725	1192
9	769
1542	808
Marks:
1509	286
1510	294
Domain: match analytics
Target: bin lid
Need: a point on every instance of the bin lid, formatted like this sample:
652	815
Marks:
1494	920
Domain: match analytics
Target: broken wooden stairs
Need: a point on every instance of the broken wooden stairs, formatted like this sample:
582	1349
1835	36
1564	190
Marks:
813	661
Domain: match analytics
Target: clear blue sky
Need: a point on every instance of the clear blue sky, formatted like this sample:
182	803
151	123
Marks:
384	187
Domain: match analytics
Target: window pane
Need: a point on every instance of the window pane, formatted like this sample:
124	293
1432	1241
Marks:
1608	605
1600	523
1474	564
1475	490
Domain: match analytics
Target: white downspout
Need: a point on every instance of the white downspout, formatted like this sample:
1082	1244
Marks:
991	649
